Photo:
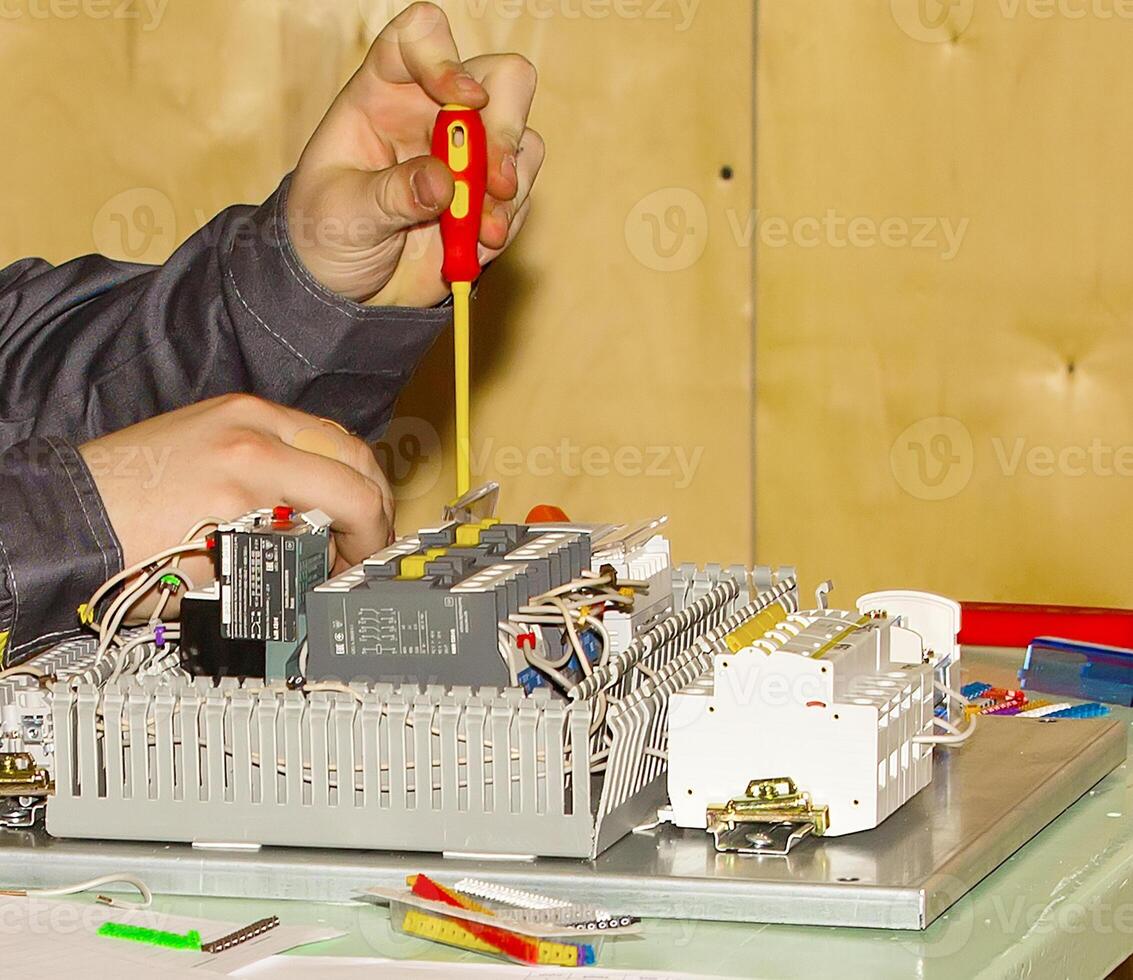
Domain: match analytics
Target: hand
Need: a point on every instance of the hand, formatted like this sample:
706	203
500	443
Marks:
230	455
364	201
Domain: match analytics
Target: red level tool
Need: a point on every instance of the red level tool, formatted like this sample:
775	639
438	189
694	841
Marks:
996	624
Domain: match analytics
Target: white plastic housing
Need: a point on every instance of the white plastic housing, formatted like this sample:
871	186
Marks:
830	699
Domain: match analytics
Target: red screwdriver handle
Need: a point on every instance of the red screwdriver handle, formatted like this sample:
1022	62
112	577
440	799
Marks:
460	141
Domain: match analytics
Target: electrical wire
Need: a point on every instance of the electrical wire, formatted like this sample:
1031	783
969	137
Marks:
956	736
23	670
186	547
82	886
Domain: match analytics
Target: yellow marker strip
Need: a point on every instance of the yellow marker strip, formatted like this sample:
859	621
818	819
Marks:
759	624
413	567
834	641
3	645
440	930
461	295
468	535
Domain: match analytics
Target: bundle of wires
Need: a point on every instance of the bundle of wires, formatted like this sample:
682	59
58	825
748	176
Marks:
574	607
150	649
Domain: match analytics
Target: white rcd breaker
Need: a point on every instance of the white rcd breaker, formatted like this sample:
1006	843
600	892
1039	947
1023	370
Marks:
816	721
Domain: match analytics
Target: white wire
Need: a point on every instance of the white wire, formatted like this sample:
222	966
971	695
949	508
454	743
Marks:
82	886
505	653
181	549
958	738
954	695
22	671
598	626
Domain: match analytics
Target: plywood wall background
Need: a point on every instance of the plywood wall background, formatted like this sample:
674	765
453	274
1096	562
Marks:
936	202
944	386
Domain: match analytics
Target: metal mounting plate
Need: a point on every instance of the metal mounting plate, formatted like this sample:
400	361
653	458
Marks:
1012	779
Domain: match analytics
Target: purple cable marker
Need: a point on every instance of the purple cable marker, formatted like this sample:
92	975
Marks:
159	637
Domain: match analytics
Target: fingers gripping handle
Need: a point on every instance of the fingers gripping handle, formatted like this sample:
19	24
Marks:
460	141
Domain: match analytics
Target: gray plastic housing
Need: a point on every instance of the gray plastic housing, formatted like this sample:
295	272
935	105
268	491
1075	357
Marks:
183	760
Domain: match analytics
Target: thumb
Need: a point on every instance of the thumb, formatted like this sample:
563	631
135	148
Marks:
410	193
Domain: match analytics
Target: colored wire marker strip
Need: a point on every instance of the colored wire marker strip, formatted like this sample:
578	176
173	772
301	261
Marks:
536	952
190	941
257	928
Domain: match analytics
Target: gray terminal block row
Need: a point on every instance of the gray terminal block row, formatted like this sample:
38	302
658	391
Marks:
428	608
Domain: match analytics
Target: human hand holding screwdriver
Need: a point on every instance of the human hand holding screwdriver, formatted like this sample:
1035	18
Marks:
366	196
362	216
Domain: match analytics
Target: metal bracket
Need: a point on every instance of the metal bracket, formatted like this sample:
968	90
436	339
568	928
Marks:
772	840
771	818
476	505
20	777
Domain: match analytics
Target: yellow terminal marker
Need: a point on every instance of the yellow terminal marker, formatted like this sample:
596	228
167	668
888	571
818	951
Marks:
460	141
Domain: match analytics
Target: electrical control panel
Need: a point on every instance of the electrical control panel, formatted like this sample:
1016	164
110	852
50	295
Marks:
578	650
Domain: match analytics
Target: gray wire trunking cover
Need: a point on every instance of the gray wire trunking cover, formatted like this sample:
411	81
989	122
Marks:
392	768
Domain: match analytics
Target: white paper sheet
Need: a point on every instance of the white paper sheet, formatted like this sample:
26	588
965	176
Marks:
49	938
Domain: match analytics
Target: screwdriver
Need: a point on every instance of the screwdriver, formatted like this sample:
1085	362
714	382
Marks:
460	141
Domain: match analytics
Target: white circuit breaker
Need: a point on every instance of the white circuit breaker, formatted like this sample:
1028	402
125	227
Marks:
833	705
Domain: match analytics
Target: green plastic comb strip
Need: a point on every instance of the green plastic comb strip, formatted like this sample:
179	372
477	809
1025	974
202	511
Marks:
190	940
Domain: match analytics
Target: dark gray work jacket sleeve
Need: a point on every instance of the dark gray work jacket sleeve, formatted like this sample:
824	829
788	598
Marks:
93	346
